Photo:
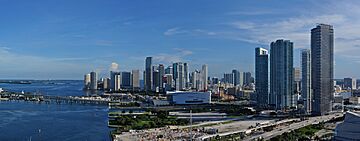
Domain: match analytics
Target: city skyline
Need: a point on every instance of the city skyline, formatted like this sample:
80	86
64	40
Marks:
67	39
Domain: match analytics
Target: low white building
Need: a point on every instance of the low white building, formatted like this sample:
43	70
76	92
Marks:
184	97
349	130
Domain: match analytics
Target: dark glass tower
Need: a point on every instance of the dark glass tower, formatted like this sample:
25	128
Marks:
262	77
148	74
322	65
281	75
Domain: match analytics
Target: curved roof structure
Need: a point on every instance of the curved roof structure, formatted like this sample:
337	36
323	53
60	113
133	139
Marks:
349	130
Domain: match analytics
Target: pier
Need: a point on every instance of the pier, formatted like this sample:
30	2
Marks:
98	100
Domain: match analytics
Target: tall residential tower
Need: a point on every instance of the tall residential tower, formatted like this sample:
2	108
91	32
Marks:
322	65
262	77
281	75
306	90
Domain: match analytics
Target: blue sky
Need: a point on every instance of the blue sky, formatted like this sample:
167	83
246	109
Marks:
53	39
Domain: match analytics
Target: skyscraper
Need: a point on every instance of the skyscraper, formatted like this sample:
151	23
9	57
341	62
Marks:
126	80
322	65
113	79
106	84
148	74
204	78
306	90
247	78
161	76
262	77
236	77
117	82
87	81
93	81
186	75
228	78
135	82
350	83
281	75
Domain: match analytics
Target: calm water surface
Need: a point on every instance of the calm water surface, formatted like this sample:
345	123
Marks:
64	122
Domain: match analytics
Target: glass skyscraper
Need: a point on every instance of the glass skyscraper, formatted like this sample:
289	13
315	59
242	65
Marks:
281	75
306	90
262	77
148	74
322	65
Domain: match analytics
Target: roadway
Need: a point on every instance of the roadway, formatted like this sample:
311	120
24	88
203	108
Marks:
282	129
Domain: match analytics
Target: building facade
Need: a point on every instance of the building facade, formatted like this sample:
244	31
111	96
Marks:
148	74
306	90
322	65
262	77
281	75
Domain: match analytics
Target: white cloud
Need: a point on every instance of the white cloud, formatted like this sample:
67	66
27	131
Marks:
114	66
174	31
178	56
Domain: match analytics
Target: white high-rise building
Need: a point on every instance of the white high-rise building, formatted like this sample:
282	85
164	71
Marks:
306	90
204	77
87	81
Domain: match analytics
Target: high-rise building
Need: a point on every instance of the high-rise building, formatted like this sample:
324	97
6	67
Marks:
87	81
236	77
281	75
148	74
204	78
169	82
350	83
156	80
117	82
241	81
186	75
322	68
135	79
247	78
262	77
161	76
179	75
306	90
228	78
126	80
93	81
297	81
106	84
169	70
113	79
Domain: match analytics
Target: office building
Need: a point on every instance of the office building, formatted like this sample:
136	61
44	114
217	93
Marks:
156	80
126	80
135	79
350	83
113	79
204	78
281	75
93	81
106	84
236	77
117	82
322	65
186	75
228	78
87	81
161	69
262	77
148	74
247	78
306	90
